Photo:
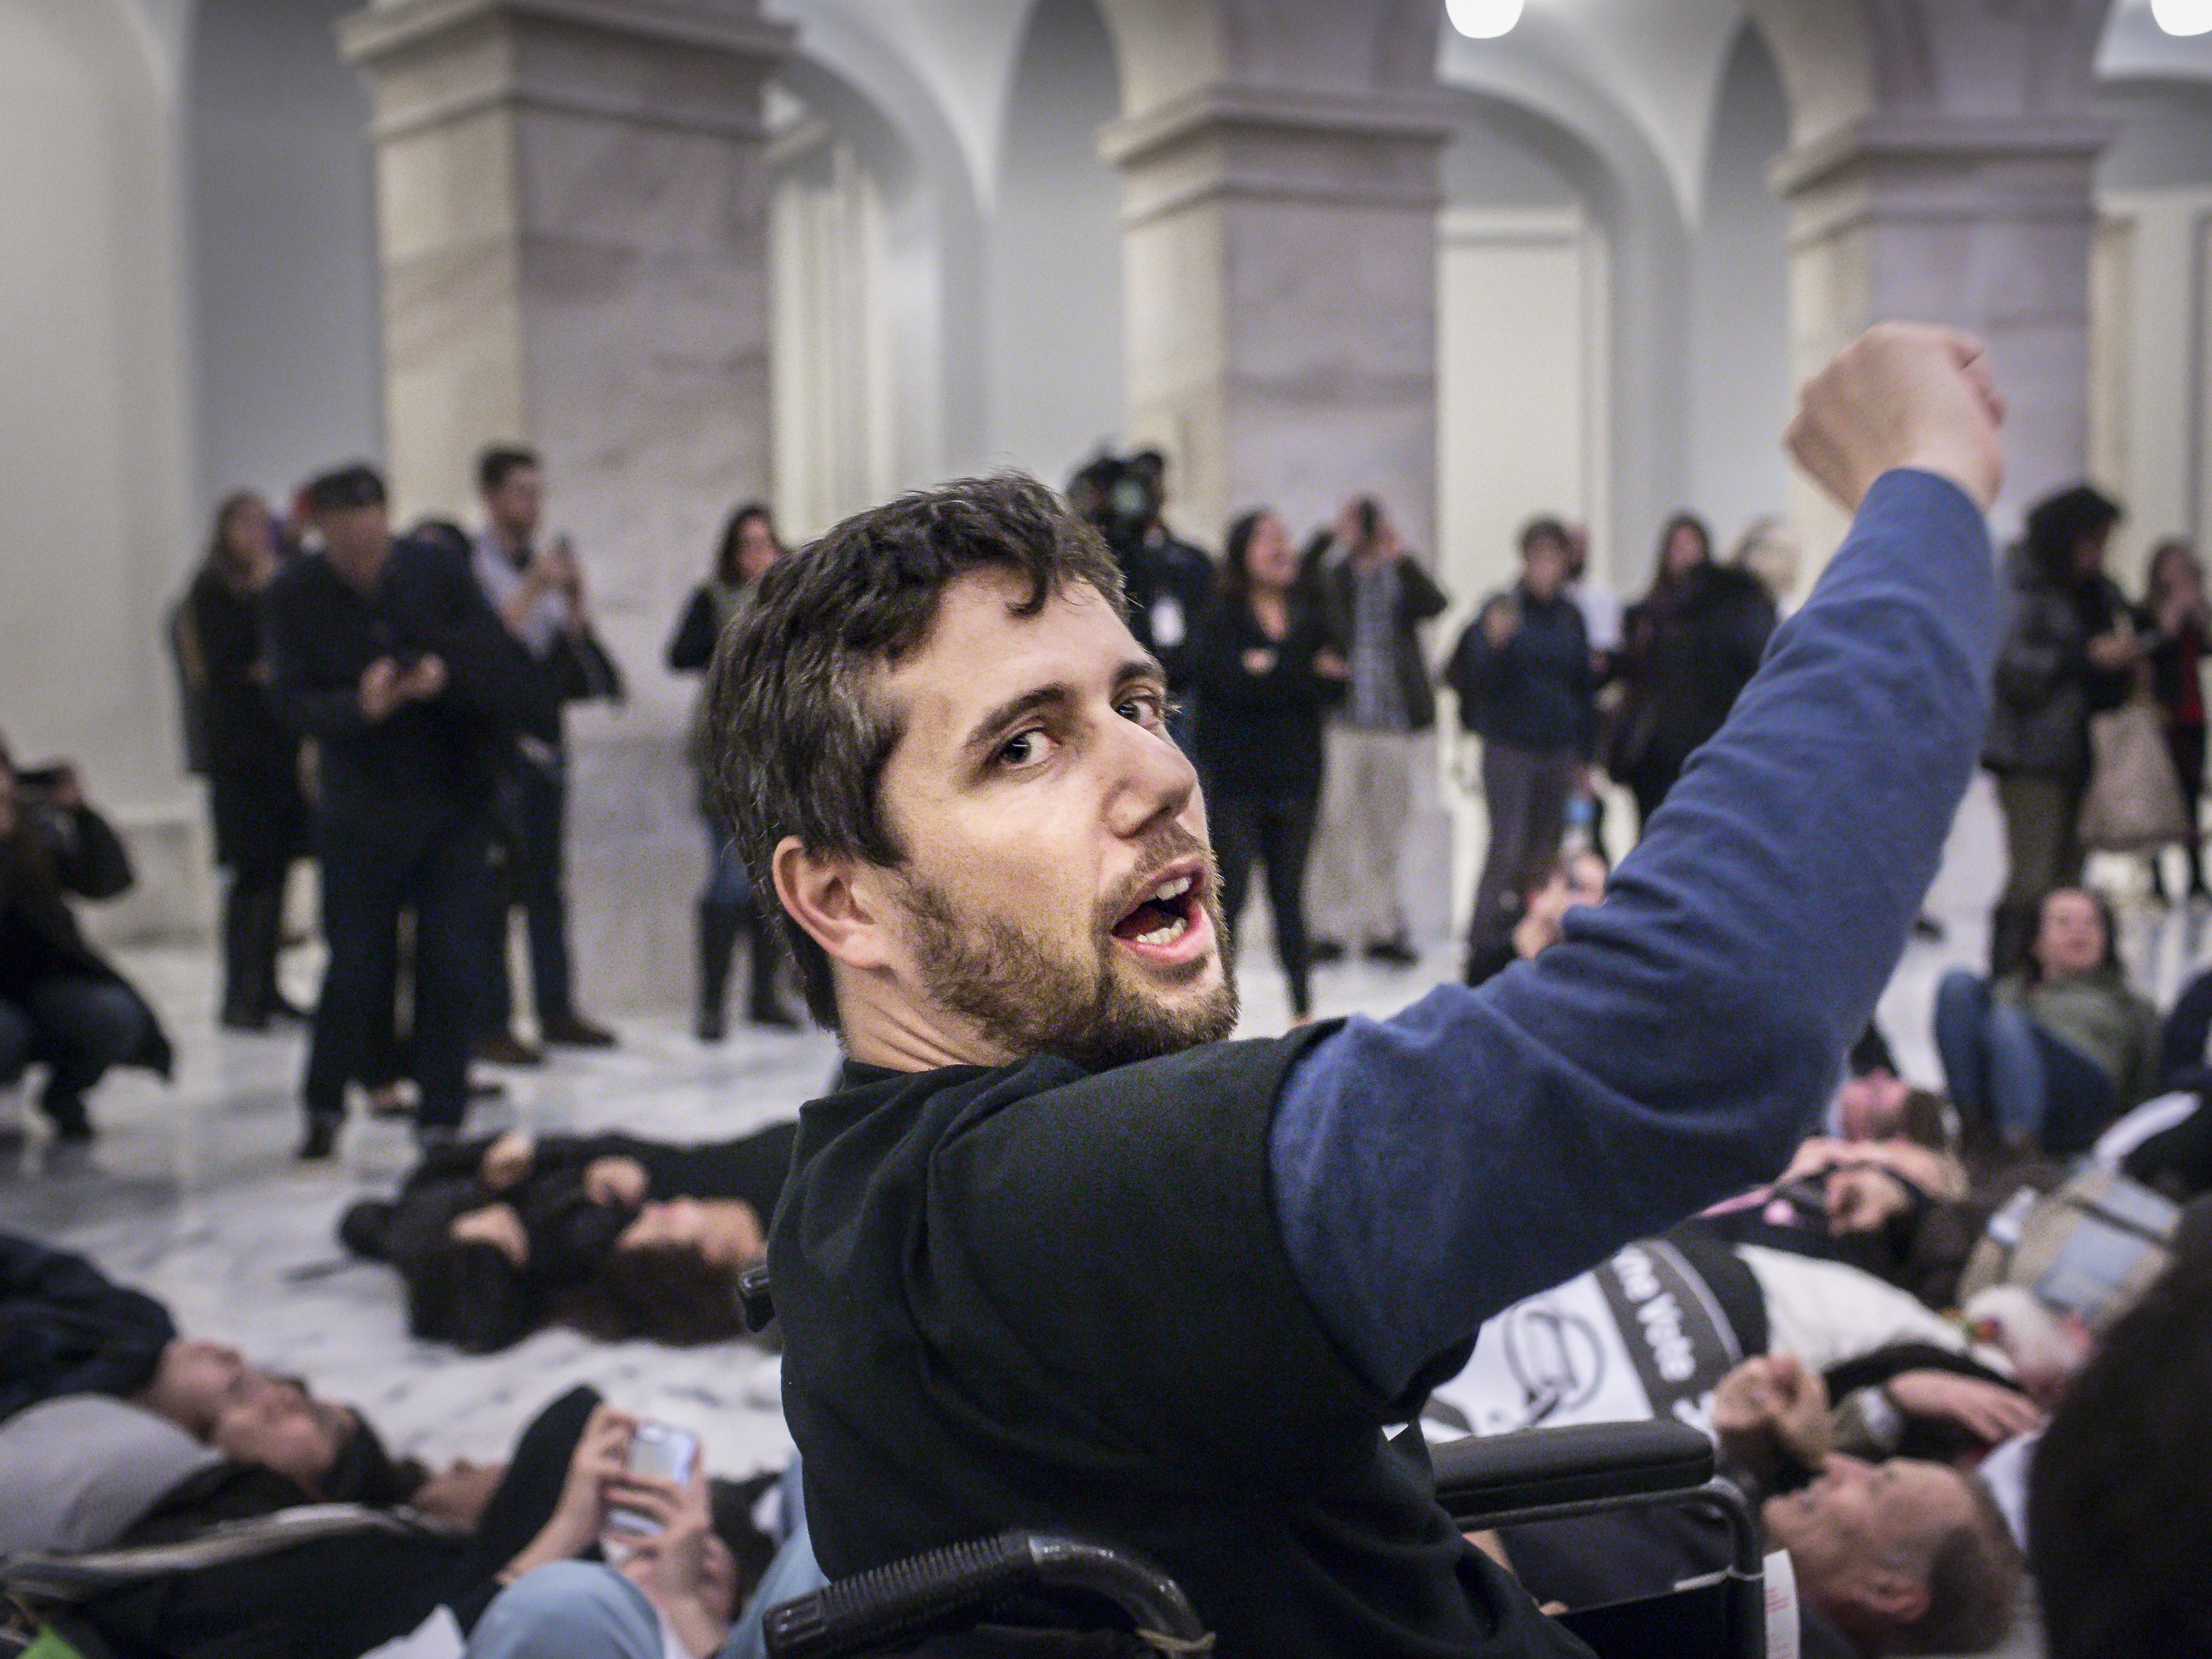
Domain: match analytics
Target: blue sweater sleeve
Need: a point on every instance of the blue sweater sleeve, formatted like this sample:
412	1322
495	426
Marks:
1433	1167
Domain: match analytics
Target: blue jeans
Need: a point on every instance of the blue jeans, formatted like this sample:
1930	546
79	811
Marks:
2008	1075
79	1027
586	1610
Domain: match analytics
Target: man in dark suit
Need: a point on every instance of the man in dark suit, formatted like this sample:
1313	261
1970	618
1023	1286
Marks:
386	655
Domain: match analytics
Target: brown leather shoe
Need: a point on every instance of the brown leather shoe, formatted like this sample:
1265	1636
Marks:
505	1048
576	1032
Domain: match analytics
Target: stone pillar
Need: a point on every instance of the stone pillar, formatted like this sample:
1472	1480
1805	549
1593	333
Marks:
1279	285
572	224
1982	223
1281	290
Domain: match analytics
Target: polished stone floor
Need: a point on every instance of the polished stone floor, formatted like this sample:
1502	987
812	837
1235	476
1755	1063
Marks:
191	1193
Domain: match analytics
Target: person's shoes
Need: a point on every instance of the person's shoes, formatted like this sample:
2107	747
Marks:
505	1048
707	1025
1322	951
1395	951
390	1100
72	1123
574	1032
320	1137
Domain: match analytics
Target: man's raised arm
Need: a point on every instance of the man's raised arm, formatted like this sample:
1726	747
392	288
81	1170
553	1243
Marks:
1433	1167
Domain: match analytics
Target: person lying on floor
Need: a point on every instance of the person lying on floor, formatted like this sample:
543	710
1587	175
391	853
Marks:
1653	1330
103	1407
618	1237
1903	1555
338	1596
334	1598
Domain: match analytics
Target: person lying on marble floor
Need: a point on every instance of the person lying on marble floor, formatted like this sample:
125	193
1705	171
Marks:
619	1237
60	1001
104	1406
1897	1555
338	1596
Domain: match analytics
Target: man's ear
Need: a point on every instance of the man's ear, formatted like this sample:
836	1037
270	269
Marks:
831	898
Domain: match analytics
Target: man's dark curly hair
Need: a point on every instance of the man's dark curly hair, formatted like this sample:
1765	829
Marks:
795	737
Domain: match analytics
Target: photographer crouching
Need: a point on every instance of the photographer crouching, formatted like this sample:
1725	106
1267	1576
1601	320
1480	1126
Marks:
60	1003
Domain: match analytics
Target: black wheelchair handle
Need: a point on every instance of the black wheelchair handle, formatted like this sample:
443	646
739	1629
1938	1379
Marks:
905	1598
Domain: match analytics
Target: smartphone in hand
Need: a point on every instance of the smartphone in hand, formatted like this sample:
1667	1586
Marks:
664	1452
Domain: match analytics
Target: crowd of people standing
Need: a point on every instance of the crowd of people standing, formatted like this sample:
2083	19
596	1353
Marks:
392	707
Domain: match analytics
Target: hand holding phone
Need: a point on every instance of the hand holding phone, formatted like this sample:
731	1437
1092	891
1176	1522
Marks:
664	1452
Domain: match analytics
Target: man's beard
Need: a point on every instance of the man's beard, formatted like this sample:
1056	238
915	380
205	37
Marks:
1028	999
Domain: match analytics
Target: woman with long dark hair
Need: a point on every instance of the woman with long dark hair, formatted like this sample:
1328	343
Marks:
729	905
2070	654
251	758
2177	623
1688	648
1264	671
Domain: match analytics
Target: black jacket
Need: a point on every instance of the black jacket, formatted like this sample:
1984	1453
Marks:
52	853
1259	734
1169	585
1688	649
2046	689
425	756
65	1328
1419	599
1536	692
474	1297
251	757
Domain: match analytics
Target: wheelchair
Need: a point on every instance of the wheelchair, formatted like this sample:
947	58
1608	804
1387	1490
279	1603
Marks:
933	1603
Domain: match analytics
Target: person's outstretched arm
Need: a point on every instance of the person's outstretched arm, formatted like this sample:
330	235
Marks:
1432	1168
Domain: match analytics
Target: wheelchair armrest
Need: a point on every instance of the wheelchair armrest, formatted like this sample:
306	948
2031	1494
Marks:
887	1604
1486	1475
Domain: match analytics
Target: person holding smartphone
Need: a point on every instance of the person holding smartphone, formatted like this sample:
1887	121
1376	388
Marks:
1376	596
1523	672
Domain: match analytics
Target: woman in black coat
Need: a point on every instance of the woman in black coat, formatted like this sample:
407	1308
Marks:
1688	648
251	759
2070	654
729	908
1264	670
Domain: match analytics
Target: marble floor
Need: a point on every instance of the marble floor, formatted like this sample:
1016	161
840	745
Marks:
192	1192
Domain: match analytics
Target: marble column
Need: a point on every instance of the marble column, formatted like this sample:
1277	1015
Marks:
1984	224
572	203
1279	270
1279	282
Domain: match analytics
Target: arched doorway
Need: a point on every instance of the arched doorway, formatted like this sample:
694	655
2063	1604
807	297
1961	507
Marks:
1056	374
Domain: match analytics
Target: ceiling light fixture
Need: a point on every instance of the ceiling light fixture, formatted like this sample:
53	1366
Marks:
1486	20
2177	16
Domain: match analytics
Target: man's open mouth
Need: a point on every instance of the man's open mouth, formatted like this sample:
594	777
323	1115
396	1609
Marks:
1162	915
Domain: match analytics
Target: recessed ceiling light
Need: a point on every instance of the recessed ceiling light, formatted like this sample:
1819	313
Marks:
2176	16
1486	20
